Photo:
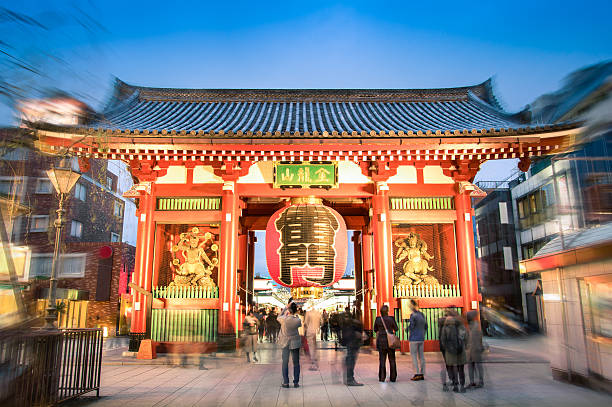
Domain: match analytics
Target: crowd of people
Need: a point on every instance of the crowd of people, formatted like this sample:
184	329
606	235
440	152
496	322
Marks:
295	329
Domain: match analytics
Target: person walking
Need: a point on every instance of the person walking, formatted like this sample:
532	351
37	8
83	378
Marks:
271	325
443	370
383	324
417	329
452	339
250	335
351	338
474	349
261	317
324	326
290	342
312	322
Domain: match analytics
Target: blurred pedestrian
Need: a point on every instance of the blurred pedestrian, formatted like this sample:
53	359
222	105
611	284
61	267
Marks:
443	372
474	349
250	336
453	339
334	325
290	342
351	338
272	325
312	322
261	317
417	329
383	324
324	326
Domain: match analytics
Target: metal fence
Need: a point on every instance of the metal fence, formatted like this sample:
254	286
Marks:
42	367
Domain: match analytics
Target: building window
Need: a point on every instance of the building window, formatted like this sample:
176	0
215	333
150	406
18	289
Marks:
6	185
73	265
39	223
115	237
43	186
40	265
76	229
596	297
109	182
80	192
70	265
118	209
537	207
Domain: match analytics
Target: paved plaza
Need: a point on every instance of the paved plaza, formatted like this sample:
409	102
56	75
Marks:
513	378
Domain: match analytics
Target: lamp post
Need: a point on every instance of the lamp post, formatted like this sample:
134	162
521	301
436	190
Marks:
63	178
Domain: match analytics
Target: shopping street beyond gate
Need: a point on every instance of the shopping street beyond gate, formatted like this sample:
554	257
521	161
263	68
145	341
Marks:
516	374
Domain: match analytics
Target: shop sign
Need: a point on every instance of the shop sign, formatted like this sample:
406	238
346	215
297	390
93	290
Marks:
306	175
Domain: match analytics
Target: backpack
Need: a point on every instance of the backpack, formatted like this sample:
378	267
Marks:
454	335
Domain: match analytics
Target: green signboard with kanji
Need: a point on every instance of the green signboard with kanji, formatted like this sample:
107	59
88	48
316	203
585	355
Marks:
306	175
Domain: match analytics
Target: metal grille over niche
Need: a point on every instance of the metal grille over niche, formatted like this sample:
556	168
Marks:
424	203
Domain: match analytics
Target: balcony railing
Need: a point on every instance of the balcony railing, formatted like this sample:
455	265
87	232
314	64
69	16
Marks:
428	291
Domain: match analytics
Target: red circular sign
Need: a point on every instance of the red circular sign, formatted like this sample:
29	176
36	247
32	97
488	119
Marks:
105	252
306	246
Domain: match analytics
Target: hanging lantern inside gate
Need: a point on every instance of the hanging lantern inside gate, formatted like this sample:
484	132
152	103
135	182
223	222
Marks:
306	244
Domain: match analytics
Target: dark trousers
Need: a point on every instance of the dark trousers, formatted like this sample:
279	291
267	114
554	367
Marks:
383	354
453	372
295	356
324	334
351	359
473	368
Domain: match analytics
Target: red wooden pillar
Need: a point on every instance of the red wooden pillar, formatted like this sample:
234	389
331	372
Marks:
250	276
383	253
368	277
242	271
227	267
358	271
465	250
143	268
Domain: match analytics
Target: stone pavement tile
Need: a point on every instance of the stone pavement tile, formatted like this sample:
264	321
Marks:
268	392
243	393
201	382
231	382
225	387
134	388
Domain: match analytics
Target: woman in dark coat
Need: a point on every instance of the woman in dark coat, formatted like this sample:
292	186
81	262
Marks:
452	339
474	349
382	344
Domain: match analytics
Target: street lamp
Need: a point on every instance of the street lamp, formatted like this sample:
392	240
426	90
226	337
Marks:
63	178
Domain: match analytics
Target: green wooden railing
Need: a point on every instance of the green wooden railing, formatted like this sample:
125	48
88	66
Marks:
189	204
431	316
429	291
184	325
185	292
422	204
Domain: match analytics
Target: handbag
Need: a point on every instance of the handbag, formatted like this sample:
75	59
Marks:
392	340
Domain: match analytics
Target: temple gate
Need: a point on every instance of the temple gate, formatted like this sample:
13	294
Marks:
205	164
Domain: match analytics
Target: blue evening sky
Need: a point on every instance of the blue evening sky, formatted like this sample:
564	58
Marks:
526	46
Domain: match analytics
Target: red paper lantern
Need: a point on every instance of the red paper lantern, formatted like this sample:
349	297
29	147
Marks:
306	245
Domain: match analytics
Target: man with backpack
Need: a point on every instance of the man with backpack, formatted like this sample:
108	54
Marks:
452	340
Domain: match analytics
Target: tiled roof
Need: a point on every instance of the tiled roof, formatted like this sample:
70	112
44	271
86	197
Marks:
309	112
581	238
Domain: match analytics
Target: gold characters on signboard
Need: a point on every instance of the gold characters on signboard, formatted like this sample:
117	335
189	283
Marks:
412	251
197	266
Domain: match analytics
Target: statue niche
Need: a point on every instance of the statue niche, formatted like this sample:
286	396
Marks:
412	251
199	255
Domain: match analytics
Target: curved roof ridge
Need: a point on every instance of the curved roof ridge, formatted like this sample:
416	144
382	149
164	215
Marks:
522	116
484	91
